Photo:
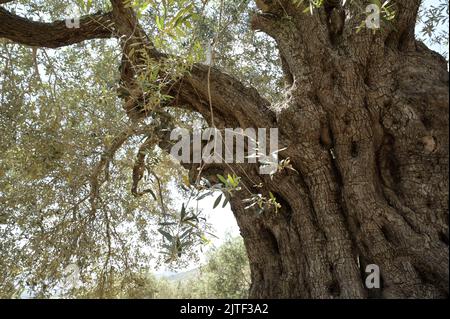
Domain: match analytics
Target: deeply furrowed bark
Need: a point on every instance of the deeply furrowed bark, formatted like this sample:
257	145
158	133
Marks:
365	125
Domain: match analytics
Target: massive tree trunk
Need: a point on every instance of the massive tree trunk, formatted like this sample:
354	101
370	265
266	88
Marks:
365	126
365	123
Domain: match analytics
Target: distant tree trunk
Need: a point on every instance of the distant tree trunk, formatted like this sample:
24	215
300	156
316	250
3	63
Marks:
365	125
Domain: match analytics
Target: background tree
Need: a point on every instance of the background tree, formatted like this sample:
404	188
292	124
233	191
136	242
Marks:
226	274
362	119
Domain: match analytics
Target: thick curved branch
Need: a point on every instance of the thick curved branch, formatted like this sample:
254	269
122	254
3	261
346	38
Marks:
234	104
55	34
134	42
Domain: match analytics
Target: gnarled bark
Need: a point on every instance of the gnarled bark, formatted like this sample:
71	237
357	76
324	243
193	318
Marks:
365	124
